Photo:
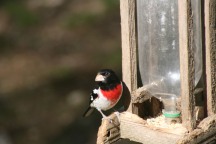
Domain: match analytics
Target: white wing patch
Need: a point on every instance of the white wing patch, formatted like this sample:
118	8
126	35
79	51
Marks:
95	91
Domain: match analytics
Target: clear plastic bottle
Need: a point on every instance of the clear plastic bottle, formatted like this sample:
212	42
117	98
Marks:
157	22
158	48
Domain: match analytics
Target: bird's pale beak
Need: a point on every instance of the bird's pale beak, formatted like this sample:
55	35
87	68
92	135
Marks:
99	78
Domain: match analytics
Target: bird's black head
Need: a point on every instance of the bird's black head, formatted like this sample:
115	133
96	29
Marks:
107	77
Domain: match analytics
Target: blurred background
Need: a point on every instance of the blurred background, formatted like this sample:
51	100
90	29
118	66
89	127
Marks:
50	52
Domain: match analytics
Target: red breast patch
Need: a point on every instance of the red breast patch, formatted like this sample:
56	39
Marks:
113	94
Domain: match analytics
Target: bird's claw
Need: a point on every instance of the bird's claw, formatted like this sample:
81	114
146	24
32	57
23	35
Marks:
117	115
111	120
107	118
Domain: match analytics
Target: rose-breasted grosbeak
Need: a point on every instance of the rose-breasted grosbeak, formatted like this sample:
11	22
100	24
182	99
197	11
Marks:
107	94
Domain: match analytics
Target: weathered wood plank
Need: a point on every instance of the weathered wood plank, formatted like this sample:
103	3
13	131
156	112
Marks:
129	57
210	31
140	95
136	129
109	132
144	93
187	68
205	133
129	62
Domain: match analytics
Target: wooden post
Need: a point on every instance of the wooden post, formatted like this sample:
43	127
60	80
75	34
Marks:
129	57
109	131
210	31
187	68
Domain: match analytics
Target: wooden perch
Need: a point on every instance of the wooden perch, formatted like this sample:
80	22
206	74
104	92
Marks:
137	129
109	132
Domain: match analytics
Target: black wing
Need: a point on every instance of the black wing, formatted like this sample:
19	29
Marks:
93	96
88	112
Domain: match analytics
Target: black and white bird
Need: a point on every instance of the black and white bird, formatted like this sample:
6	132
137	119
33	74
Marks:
107	94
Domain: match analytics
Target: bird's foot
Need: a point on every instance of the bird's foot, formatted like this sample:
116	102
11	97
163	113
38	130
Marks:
107	118
117	115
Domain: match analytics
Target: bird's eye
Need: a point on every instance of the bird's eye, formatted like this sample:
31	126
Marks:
106	73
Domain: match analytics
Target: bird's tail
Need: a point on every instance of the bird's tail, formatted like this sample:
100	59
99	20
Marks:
88	112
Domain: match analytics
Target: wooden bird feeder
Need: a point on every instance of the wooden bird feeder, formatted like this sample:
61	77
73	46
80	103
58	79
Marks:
169	68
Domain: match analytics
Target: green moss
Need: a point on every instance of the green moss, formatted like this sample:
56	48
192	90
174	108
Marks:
21	15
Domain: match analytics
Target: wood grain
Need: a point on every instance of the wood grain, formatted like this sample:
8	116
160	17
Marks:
210	30
129	57
129	62
140	95
135	129
205	133
109	131
187	67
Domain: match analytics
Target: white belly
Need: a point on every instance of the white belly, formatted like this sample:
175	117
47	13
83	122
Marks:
102	103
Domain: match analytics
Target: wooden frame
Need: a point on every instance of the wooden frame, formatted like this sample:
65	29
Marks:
128	32
187	68
130	126
129	56
210	25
